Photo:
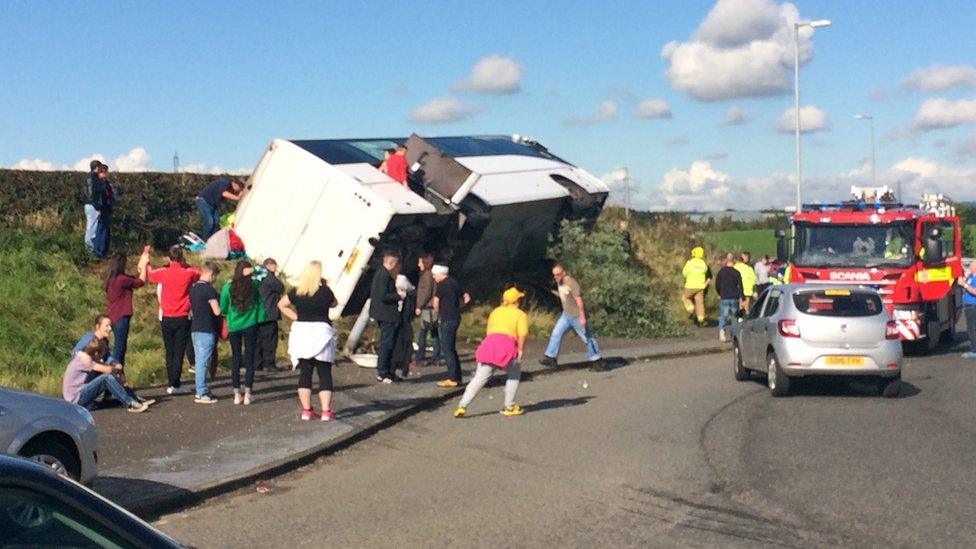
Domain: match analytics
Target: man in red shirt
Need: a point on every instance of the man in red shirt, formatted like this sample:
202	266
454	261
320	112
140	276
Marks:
396	165
175	280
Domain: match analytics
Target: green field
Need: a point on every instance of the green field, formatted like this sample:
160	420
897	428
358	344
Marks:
758	242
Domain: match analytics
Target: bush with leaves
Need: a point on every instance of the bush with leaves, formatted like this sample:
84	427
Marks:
621	300
151	207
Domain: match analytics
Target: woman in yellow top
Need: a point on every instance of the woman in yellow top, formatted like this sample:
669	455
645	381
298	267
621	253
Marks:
502	348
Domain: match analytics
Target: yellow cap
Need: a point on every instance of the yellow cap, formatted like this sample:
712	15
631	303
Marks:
698	252
511	295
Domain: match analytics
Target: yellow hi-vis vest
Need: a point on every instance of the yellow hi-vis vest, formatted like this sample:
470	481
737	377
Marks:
748	278
695	273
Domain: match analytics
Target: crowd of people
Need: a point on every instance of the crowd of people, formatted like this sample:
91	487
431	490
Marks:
246	310
737	282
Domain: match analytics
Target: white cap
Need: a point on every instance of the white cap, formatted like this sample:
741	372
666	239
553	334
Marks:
439	270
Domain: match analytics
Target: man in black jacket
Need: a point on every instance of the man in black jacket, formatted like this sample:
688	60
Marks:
383	300
270	291
728	283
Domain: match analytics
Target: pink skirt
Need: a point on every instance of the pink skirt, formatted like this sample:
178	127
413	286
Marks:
497	350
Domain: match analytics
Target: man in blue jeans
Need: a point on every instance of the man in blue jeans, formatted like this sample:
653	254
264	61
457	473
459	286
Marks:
573	317
204	326
209	201
728	284
449	299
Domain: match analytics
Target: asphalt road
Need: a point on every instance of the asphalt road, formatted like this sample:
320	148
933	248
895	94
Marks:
666	453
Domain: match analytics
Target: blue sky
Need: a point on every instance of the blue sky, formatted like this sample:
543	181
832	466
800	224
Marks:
217	83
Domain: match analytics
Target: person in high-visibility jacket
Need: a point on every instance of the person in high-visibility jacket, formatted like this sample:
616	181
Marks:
744	266
697	277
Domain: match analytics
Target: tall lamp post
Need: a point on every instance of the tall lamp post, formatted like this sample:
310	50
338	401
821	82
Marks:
621	174
870	119
796	92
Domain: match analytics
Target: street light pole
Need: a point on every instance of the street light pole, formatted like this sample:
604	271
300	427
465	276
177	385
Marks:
796	98
870	119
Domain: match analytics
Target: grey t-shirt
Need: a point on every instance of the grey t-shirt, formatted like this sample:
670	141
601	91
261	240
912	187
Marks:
762	272
568	291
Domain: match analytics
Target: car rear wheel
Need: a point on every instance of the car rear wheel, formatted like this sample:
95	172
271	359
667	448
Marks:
889	387
739	370
779	383
54	455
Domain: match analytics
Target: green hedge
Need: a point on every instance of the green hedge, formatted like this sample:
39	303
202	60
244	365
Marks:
152	207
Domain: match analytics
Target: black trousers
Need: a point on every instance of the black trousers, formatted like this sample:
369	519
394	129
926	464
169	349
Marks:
176	337
322	369
267	345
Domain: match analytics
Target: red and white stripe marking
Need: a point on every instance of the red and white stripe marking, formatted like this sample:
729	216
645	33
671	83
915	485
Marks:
909	329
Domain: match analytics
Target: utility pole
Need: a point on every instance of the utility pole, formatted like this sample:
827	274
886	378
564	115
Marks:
176	162
796	95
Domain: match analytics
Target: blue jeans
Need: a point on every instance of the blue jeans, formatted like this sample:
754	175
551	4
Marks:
563	325
384	354
435	342
103	383
103	234
728	307
211	218
248	338
203	348
91	221
449	330
121	330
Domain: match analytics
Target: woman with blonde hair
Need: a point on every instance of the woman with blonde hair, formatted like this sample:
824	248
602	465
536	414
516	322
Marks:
311	343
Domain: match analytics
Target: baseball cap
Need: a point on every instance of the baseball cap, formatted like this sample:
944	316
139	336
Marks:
512	295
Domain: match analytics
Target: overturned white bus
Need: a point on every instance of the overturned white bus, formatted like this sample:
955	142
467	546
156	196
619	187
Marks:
484	205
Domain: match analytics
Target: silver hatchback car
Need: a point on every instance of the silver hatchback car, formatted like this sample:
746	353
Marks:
50	431
798	330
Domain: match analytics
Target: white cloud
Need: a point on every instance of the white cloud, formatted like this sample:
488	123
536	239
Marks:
812	120
34	164
492	74
136	160
735	117
605	112
652	108
943	113
698	187
679	140
742	48
441	110
702	187
939	78
213	170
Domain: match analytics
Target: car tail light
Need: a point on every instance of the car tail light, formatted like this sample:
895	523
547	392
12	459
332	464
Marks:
892	365
789	328
891	330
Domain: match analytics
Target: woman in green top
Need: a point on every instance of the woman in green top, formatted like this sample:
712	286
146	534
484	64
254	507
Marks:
241	305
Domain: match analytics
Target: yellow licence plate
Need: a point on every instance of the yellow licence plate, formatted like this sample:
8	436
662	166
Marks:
844	360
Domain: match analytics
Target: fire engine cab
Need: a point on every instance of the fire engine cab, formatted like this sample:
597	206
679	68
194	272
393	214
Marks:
910	254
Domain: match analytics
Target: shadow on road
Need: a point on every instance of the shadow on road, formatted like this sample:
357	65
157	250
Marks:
839	387
558	403
141	496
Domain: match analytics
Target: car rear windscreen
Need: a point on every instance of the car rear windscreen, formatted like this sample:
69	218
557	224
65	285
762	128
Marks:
846	303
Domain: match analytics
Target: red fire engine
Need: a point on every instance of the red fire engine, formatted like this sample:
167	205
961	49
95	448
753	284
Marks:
910	254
